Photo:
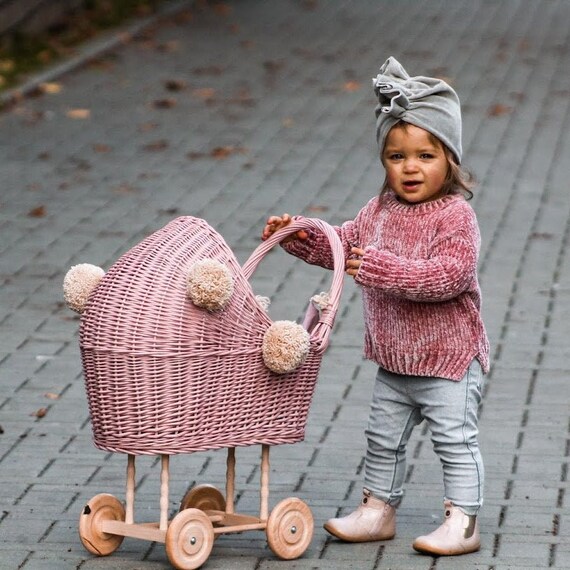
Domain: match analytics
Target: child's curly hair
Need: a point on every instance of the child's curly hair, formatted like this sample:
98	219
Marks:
458	179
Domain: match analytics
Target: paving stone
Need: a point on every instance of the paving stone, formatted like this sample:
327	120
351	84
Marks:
285	89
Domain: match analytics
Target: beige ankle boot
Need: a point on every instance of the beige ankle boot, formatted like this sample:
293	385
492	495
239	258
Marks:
372	520
459	534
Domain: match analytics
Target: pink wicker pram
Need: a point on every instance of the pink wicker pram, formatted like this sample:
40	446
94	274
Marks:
164	376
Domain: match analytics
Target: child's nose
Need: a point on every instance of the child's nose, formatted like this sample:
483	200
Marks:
410	165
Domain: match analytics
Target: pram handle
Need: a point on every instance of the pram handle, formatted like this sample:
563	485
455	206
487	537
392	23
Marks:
321	332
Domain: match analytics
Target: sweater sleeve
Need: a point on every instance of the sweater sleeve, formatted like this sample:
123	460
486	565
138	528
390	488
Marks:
316	249
445	273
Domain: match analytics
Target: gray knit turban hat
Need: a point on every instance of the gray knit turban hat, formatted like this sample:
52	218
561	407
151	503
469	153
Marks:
425	102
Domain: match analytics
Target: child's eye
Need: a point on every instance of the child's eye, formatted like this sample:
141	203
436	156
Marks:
426	155
395	156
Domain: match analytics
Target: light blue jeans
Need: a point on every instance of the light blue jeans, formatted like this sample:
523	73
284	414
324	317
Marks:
399	403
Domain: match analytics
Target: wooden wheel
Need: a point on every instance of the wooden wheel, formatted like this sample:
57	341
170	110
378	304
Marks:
290	528
102	507
205	498
189	539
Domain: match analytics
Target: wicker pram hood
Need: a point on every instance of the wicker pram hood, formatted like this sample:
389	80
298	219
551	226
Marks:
165	376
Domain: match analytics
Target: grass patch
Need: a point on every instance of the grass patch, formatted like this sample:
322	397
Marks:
22	54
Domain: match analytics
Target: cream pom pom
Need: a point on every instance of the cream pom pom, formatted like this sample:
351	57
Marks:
263	302
321	301
285	346
210	284
79	282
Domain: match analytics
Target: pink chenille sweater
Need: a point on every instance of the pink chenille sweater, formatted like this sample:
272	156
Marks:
419	283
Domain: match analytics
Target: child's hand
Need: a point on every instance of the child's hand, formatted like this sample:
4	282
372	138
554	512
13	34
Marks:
354	262
275	223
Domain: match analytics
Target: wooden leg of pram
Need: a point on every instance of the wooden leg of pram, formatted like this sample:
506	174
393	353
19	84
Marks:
264	509
230	479
164	480
130	495
190	535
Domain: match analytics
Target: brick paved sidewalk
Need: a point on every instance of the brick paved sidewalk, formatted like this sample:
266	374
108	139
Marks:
230	111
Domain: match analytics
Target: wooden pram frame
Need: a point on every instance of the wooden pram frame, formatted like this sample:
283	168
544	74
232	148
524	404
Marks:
204	515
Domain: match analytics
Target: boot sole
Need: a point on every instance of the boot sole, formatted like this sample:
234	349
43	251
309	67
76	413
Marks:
442	552
347	538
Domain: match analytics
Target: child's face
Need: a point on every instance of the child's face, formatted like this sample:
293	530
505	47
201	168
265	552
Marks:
415	163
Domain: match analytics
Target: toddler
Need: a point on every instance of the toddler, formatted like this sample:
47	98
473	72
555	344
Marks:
414	252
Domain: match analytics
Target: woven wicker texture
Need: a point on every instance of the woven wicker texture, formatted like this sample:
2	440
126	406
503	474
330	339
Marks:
164	376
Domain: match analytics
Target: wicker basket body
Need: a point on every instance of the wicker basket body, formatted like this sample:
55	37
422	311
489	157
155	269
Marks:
164	376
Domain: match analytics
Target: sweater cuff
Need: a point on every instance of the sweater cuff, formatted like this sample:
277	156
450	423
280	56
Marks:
371	268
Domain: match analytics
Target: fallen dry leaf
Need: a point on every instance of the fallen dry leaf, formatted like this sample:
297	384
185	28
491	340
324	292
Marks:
204	93
183	17
154	146
35	91
125	37
175	84
30	117
103	64
7	65
499	110
273	66
79	164
125	188
145	127
46	56
351	86
223	152
287	122
243	97
101	148
40	413
168	47
51	88
79	114
310	5
164	103
169	211
148	176
37	212
219	152
222	9
51	396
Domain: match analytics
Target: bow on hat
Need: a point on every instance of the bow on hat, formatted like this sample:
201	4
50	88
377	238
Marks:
392	96
426	102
